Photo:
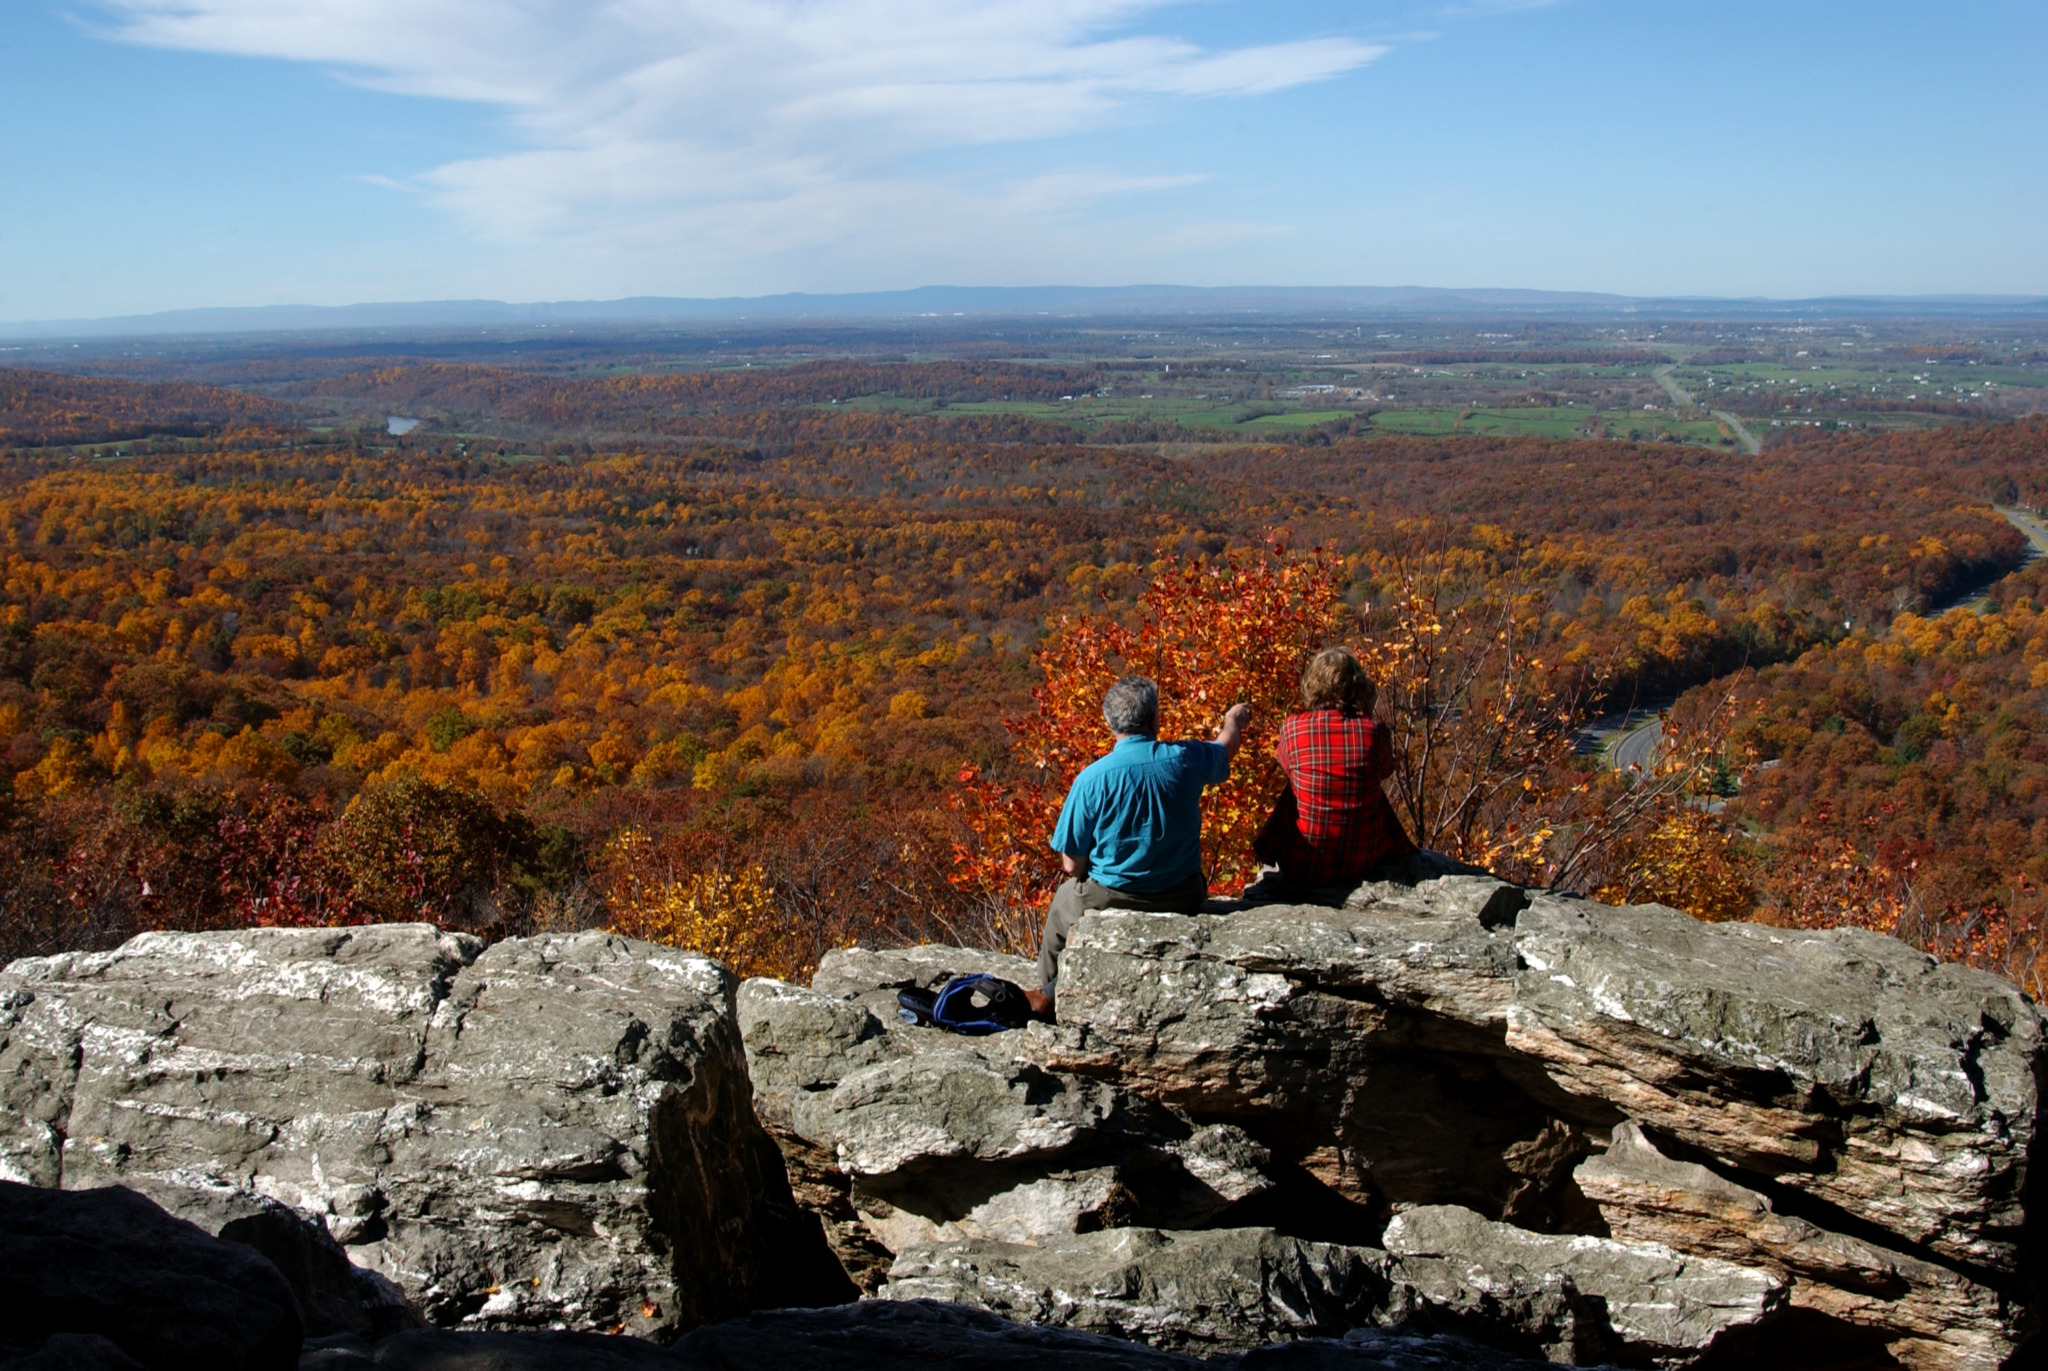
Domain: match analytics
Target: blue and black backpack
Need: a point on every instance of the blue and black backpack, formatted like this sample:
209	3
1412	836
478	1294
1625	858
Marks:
976	1005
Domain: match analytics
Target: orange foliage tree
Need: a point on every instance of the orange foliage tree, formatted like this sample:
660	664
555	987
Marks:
1213	633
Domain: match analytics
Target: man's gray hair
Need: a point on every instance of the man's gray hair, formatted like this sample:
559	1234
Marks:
1131	708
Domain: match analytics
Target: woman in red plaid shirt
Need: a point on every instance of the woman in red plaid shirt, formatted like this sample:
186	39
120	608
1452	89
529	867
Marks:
1333	823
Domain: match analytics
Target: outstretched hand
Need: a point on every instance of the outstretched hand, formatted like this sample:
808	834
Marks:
1232	732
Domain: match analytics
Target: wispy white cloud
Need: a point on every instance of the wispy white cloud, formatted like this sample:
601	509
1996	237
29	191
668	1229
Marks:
735	129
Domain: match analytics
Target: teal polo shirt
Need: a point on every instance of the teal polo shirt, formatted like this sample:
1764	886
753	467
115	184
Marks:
1135	815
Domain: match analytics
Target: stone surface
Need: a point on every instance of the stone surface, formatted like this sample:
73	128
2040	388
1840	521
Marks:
1843	1064
79	1269
943	1136
1383	1349
920	1333
872	976
334	1295
1448	1044
554	1131
1573	1298
1360	1128
950	1337
70	1352
1366	1045
1640	1302
852	972
1206	1291
1926	1315
802	1042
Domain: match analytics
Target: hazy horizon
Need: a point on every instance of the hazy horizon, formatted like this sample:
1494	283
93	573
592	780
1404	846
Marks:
999	302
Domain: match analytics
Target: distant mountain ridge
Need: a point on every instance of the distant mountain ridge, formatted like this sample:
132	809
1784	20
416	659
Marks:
1009	301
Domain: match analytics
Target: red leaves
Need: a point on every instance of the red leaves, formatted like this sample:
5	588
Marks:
1212	633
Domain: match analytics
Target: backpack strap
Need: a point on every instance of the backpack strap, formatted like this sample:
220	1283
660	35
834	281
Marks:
955	1008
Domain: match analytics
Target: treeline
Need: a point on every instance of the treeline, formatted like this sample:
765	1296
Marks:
42	408
629	403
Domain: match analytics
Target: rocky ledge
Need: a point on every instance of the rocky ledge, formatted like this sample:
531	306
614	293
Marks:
1573	1130
1457	1124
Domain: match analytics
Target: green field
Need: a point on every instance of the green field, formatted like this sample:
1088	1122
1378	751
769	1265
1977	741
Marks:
1269	416
1307	418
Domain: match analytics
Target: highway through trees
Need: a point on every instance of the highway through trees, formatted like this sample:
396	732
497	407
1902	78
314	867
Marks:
1681	396
1631	739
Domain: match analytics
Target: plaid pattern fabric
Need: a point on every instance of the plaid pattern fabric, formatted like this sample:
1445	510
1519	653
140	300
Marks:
1343	823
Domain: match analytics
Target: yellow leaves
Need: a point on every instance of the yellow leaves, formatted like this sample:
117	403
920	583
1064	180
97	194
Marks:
249	756
908	704
63	769
613	756
723	911
1690	862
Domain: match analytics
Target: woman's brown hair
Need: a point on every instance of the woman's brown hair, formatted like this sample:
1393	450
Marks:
1335	680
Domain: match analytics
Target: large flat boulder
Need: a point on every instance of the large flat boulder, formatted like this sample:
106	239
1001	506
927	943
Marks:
554	1131
1365	1044
1899	1090
1462	1044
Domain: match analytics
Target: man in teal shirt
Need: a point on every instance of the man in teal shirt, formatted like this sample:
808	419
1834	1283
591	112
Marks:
1130	834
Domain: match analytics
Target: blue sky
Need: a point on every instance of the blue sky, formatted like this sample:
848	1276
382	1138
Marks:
163	154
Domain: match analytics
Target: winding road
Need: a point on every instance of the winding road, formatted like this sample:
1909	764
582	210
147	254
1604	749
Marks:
1626	739
2036	531
1681	396
1632	740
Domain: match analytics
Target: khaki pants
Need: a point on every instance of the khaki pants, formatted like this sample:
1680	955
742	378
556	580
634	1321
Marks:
1076	898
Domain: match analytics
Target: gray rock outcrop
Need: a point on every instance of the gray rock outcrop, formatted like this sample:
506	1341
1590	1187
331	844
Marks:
1843	1065
878	1334
551	1131
950	1337
1448	1124
1818	1138
1571	1298
944	1137
1928	1316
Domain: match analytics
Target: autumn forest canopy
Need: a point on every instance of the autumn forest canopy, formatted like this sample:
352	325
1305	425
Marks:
788	651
